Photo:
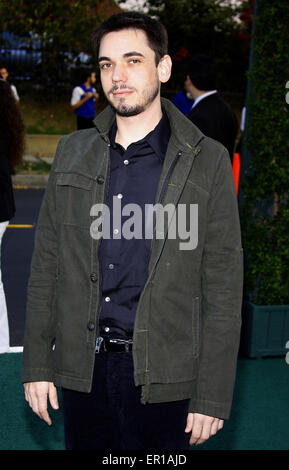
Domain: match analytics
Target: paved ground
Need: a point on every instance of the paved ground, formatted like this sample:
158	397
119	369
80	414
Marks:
16	256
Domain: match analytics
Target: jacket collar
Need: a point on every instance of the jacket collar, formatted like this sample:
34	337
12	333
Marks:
184	132
202	97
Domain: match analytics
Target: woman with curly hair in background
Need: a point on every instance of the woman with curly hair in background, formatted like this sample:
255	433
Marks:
12	134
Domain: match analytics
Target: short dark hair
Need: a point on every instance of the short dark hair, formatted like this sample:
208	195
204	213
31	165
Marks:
202	70
85	74
155	31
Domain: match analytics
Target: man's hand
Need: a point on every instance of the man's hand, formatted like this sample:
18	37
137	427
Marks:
88	95
202	427
36	394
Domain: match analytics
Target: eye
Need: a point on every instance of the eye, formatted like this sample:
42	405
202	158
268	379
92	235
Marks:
104	66
134	61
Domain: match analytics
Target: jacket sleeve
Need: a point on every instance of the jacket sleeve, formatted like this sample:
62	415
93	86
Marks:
39	323
221	298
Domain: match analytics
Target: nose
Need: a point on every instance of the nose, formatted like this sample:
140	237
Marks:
119	73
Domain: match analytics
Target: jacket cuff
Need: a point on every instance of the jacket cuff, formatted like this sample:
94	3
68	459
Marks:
210	408
37	375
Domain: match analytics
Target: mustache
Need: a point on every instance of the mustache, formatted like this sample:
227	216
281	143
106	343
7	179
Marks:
120	87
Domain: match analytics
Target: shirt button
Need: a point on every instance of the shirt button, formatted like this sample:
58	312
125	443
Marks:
111	266
107	299
119	196
90	326
126	162
115	231
106	329
100	179
93	277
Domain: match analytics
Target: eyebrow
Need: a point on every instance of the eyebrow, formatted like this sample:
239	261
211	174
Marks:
127	54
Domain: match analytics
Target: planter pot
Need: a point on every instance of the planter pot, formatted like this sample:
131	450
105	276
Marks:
265	330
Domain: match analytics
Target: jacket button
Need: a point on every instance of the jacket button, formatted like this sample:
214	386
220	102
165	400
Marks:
90	326
100	179
93	277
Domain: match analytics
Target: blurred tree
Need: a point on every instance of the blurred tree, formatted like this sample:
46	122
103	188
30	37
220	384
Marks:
214	27
264	207
59	27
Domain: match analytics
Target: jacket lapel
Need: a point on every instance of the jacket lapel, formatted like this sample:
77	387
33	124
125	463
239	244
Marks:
181	152
172	182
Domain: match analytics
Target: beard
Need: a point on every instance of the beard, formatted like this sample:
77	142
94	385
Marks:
126	110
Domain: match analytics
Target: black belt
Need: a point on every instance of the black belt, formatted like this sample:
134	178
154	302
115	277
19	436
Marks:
116	345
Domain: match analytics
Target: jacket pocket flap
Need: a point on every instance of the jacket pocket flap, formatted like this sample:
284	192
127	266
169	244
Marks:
75	180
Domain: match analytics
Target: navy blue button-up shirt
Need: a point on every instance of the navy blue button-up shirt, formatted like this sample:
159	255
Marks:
134	178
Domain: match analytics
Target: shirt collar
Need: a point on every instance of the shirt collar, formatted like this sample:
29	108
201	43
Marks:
157	139
201	97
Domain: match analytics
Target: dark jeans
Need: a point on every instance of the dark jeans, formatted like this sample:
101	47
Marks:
112	417
84	123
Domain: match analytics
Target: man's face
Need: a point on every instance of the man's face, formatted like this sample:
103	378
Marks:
128	72
4	73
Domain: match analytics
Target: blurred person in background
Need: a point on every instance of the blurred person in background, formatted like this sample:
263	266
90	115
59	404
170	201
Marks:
11	152
209	112
83	100
4	74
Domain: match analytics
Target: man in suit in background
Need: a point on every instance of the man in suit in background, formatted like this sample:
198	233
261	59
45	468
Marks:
209	112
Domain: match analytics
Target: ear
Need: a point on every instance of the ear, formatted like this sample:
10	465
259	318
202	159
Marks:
164	68
188	80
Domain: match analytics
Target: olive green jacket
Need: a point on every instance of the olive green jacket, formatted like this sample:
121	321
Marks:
187	324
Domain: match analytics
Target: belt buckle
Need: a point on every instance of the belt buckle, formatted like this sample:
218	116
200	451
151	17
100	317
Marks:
124	342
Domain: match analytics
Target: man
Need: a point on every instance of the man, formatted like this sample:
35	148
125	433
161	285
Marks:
210	113
140	332
4	74
83	101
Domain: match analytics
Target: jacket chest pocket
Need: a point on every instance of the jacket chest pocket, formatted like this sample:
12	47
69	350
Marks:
73	199
196	326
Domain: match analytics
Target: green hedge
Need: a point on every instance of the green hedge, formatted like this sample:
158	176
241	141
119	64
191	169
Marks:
265	209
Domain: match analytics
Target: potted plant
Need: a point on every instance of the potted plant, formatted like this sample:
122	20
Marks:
264	206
